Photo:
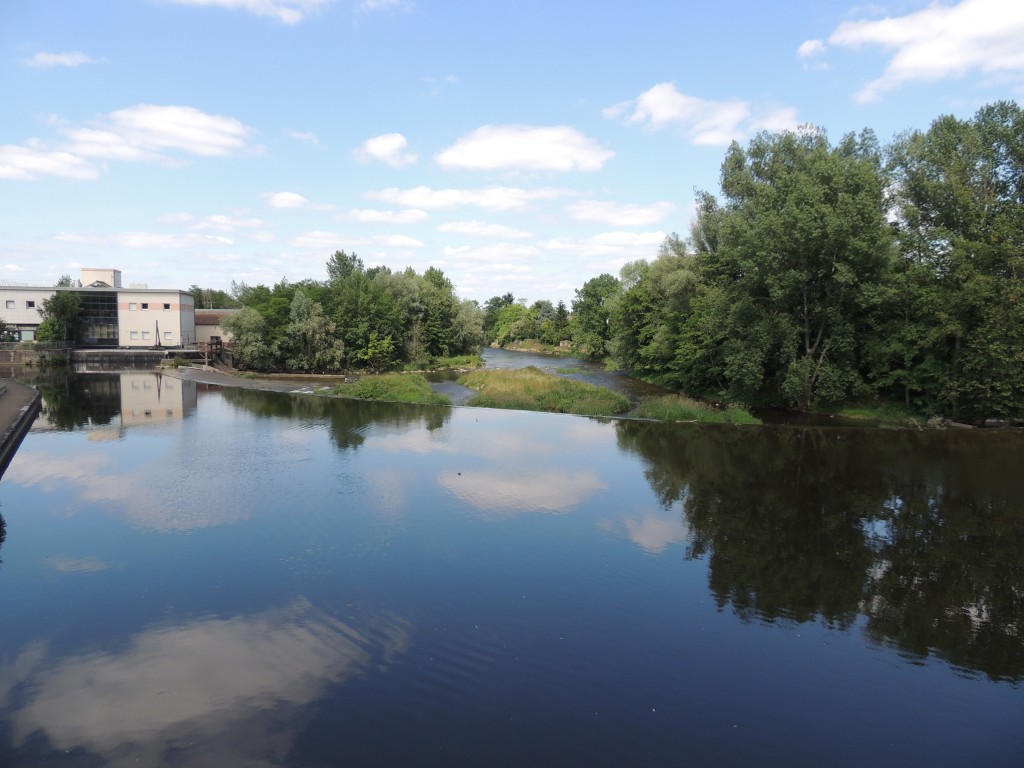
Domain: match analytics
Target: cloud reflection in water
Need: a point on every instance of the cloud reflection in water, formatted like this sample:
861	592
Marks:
233	686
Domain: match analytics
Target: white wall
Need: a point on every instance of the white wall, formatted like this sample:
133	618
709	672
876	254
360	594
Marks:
143	314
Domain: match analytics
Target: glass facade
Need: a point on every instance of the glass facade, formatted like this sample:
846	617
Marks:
99	319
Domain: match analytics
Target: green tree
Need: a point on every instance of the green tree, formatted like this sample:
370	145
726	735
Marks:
959	205
62	317
342	265
591	315
250	346
312	345
798	249
491	309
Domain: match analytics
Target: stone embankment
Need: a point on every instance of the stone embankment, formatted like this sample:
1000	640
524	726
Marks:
19	406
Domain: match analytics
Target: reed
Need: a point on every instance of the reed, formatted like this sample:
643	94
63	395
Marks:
530	389
682	408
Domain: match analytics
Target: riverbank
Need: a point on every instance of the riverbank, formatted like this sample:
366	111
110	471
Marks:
19	405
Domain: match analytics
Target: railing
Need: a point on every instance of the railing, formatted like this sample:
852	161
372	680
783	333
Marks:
33	346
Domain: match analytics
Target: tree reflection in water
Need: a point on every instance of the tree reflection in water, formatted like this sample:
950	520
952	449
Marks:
347	419
77	401
921	533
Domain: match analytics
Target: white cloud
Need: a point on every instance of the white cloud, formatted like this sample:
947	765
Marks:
524	147
143	240
149	131
810	48
287	11
307	136
494	494
388	148
371	6
705	122
285	200
619	246
27	162
499	254
619	214
490	198
940	41
318	239
44	60
293	200
481	229
366	215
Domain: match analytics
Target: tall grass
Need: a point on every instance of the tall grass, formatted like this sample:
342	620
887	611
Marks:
530	389
453	362
682	408
394	388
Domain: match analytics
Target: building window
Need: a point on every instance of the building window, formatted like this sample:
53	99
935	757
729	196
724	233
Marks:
132	306
135	335
10	303
167	305
30	304
167	335
145	305
145	335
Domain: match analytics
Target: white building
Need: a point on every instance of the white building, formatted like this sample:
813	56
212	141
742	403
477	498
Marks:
112	316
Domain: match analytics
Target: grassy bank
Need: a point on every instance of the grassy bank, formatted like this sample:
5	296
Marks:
682	408
393	388
530	389
455	362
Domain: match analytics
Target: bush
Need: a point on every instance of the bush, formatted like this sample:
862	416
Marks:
392	387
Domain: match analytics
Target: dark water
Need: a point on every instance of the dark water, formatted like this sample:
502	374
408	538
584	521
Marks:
252	578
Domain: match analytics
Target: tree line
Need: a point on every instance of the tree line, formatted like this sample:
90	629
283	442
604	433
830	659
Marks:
825	273
359	318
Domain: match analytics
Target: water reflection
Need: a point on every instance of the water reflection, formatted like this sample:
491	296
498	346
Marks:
349	420
921	533
108	403
215	691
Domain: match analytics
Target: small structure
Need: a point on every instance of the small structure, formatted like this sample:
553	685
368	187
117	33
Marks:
209	325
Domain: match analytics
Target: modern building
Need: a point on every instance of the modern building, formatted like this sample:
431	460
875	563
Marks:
113	316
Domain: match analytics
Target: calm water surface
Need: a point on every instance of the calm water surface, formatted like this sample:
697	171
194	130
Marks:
204	577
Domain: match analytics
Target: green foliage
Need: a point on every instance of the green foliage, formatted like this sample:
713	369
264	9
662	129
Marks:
959	199
311	341
62	317
212	298
249	340
530	389
393	387
379	354
360	318
590	321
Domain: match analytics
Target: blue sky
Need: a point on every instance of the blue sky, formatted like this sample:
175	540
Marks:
519	146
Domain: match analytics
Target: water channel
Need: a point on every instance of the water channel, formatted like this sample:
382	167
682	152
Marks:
197	576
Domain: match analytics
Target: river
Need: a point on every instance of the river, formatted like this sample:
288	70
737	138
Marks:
202	576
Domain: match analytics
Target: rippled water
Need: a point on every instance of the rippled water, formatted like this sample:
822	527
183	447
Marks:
198	577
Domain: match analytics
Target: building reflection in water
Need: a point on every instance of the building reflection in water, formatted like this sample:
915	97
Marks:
106	404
